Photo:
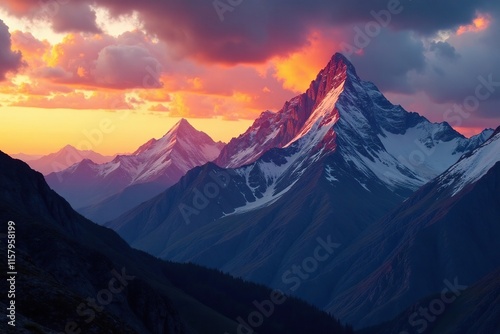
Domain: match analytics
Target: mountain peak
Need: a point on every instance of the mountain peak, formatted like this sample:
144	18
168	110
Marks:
182	127
68	147
296	118
182	122
338	59
338	70
338	67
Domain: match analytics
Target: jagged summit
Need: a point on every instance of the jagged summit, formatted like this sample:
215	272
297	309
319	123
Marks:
310	117
338	64
277	130
182	126
336	72
181	132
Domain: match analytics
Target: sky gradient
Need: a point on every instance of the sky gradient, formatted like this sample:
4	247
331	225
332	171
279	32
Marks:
111	74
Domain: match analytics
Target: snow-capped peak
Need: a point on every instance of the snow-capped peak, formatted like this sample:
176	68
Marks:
163	160
279	129
340	112
182	127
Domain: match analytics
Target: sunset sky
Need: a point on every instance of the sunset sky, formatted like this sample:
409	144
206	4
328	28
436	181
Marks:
108	75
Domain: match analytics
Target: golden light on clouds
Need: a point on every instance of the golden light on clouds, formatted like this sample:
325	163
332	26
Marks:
301	67
480	23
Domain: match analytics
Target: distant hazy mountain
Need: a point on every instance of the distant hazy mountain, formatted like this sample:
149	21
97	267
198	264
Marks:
76	276
161	161
115	205
26	157
62	159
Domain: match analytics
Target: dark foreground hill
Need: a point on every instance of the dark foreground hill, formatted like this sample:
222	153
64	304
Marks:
74	276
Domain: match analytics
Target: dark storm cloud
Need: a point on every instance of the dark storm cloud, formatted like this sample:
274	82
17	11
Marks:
448	72
389	59
10	61
477	65
255	30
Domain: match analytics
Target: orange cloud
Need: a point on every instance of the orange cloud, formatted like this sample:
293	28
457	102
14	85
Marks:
481	22
97	61
76	100
192	105
32	49
36	88
301	67
156	95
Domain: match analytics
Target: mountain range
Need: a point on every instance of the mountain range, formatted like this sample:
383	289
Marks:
331	164
26	157
62	159
104	192
355	205
153	167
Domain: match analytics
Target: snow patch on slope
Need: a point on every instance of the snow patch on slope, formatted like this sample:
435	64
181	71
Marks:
419	151
272	173
320	121
472	166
